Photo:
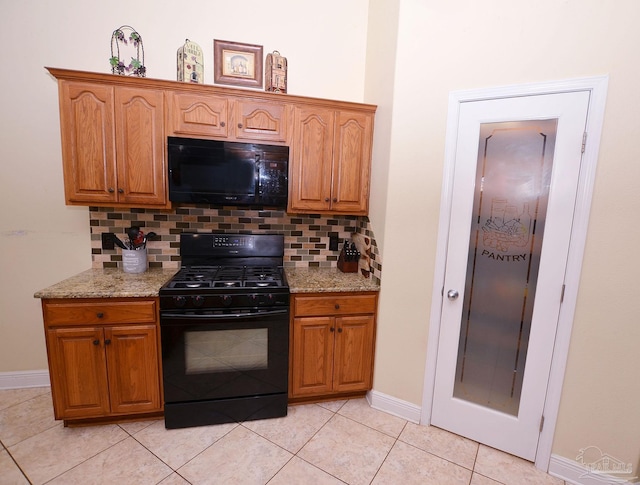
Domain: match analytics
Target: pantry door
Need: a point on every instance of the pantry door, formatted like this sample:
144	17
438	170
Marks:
516	175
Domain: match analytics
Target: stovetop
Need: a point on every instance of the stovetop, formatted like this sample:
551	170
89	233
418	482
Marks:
228	277
231	271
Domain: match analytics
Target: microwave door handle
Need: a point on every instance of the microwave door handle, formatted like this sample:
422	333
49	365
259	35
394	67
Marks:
174	174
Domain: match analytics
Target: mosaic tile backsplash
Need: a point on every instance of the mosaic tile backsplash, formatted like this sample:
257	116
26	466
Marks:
306	236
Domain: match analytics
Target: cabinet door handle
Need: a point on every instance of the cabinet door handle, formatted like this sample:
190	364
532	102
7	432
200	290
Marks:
107	341
223	124
121	191
96	342
326	199
335	200
332	329
99	314
111	190
340	330
240	125
337	306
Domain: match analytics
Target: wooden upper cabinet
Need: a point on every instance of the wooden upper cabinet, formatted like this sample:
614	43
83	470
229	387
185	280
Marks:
88	142
351	162
260	120
331	161
228	117
197	115
112	145
140	145
311	159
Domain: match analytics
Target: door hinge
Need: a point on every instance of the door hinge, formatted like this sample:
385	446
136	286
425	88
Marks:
584	141
541	423
562	294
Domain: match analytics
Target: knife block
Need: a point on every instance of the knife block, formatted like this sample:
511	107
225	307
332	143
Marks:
347	266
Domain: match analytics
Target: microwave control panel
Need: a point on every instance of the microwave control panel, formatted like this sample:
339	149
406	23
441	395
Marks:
273	178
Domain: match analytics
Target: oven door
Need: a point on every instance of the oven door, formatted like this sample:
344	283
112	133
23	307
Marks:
223	356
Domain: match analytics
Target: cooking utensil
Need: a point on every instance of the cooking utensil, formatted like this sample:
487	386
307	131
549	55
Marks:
147	236
133	233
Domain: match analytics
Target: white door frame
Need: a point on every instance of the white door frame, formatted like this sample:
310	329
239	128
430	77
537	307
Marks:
598	89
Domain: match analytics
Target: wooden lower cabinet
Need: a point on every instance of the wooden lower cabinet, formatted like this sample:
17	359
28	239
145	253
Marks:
101	366
333	339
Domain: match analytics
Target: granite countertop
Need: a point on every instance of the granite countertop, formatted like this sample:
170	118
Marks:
109	283
325	280
115	283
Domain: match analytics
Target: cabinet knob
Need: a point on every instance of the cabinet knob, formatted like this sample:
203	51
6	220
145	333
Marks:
223	124
340	330
337	306
96	342
240	125
326	199
107	341
121	191
99	314
332	329
335	200
111	190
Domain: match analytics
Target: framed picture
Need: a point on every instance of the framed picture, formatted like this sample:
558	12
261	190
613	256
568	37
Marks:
237	64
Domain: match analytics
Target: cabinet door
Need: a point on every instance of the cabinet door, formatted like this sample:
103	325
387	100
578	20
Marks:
78	372
197	115
353	365
352	162
260	120
132	361
140	146
312	360
88	148
311	160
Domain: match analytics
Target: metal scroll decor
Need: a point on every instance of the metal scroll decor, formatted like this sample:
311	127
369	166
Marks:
127	43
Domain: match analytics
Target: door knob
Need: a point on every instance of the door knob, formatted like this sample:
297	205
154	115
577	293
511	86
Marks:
452	294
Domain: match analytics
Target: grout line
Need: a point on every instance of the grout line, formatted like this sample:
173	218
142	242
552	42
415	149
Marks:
18	466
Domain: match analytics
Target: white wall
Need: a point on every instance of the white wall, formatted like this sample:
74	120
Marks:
464	44
42	241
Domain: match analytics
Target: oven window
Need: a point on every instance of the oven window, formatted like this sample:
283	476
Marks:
226	350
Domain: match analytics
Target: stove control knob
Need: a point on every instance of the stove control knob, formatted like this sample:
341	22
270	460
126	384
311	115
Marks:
179	301
197	300
270	300
226	300
254	299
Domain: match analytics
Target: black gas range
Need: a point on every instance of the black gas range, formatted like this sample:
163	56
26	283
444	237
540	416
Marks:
224	321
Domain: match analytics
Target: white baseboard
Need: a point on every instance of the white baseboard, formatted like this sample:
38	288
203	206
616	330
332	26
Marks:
576	473
28	378
395	406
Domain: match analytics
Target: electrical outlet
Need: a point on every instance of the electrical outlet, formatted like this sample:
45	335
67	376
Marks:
333	242
107	241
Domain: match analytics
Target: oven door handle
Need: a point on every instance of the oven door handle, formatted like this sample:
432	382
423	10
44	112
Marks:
165	316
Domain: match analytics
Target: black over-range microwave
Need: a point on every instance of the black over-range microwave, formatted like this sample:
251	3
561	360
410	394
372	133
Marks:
227	173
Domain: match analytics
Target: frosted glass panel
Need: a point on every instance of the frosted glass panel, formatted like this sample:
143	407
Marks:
510	202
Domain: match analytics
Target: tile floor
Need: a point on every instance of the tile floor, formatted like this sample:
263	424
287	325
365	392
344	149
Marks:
339	442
